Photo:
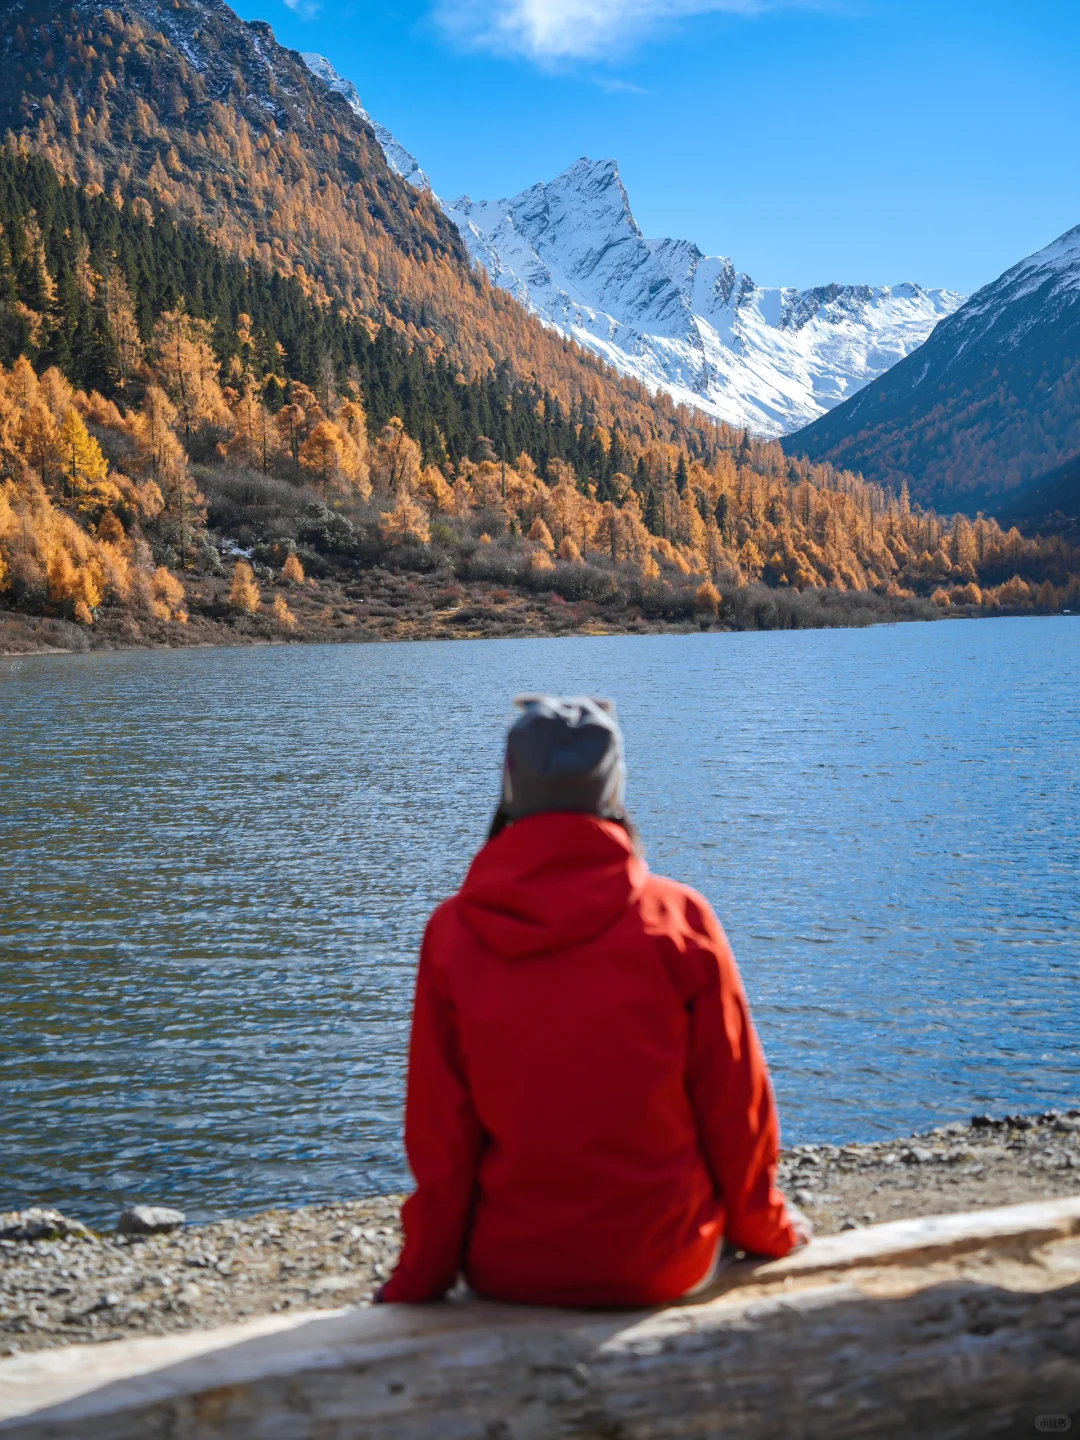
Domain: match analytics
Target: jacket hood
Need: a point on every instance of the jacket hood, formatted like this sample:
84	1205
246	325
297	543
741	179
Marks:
548	882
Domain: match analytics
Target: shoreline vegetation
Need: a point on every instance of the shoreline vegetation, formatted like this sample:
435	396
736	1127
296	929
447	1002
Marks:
388	606
62	1284
385	607
338	534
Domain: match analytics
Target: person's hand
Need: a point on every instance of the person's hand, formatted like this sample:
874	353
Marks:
801	1224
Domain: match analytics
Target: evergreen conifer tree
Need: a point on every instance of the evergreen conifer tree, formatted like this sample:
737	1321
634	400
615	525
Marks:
651	515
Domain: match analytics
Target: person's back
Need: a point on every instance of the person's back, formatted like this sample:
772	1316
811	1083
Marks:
589	1112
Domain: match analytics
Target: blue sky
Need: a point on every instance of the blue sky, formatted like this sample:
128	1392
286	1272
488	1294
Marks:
852	140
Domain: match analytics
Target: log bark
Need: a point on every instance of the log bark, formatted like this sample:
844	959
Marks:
952	1327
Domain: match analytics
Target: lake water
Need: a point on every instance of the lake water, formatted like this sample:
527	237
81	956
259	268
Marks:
217	866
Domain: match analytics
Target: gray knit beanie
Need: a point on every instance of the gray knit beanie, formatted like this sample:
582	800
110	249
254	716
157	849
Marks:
564	754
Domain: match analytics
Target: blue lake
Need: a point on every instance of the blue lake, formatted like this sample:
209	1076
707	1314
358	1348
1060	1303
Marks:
217	866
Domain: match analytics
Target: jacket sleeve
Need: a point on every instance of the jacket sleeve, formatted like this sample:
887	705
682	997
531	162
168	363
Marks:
729	1088
443	1140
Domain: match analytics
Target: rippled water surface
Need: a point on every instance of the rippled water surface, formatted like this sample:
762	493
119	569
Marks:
216	868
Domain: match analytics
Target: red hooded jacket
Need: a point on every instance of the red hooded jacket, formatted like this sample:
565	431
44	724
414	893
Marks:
588	1105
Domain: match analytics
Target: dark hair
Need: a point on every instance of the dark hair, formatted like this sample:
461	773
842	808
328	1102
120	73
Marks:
500	820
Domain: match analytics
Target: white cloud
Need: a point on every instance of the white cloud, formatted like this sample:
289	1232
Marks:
306	9
553	30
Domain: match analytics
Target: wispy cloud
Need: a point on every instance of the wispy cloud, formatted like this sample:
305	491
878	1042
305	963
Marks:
306	9
614	86
552	30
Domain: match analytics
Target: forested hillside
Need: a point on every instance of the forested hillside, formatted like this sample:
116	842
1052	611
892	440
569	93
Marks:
83	284
216	417
179	103
1050	504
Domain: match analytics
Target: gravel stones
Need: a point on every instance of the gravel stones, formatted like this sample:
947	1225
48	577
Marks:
39	1223
64	1292
149	1220
991	1161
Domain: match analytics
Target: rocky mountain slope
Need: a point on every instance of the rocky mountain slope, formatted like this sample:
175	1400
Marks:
573	254
397	157
986	407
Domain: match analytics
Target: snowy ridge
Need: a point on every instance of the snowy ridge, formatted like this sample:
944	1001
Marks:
771	360
397	157
1061	256
1037	295
1034	304
1055	268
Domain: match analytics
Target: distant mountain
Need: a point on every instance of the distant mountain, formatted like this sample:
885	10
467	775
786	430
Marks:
988	405
183	108
767	359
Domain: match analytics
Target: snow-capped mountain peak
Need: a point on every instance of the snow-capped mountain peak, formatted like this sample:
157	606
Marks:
1062	254
572	251
769	359
397	157
1056	264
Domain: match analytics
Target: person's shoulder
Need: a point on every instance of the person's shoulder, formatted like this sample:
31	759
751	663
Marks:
444	940
687	935
444	923
674	898
683	913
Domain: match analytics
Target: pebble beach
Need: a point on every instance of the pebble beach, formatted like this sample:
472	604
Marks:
62	1283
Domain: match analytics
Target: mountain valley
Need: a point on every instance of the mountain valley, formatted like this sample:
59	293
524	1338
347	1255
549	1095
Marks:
254	386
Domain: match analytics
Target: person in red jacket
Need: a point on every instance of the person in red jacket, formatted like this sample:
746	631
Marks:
589	1114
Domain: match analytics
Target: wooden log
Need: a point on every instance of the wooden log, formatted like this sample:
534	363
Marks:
950	1327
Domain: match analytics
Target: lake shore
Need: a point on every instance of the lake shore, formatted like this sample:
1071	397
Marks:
79	1288
382	604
